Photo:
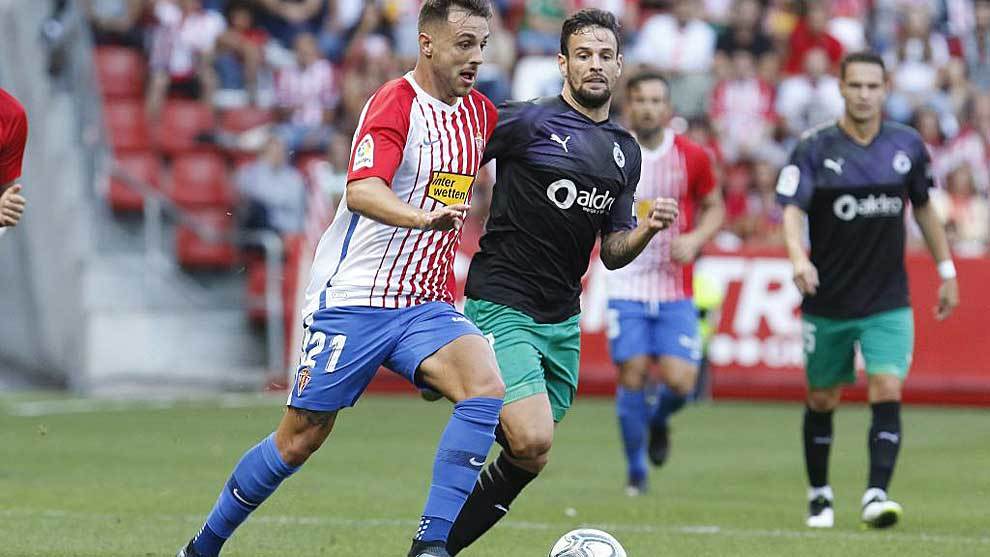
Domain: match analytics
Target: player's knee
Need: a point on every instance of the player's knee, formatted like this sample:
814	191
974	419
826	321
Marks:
300	447
533	448
823	400
632	378
885	388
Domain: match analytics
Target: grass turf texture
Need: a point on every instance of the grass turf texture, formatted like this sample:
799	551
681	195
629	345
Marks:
137	479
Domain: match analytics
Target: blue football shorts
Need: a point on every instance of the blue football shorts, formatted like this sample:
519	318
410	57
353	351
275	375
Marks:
653	329
344	346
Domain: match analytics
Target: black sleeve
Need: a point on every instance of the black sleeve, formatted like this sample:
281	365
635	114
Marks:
623	213
920	179
510	131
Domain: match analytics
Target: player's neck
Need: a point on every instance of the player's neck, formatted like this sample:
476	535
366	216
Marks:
426	82
860	132
597	115
652	139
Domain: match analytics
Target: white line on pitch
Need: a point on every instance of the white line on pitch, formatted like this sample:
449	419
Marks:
699	530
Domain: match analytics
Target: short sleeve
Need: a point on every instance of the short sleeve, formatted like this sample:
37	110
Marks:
623	216
921	177
510	131
702	175
14	129
376	151
796	183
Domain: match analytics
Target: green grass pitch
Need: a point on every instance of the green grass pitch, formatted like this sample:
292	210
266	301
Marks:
108	479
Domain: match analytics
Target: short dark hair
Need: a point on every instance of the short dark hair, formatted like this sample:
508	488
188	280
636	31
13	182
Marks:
589	17
439	10
862	57
645	76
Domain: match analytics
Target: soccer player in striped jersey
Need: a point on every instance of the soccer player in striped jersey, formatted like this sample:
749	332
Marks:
380	291
652	319
566	176
852	181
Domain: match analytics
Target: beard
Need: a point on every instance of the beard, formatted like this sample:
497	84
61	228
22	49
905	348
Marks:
589	99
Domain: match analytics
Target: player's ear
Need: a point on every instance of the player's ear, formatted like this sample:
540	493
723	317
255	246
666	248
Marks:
618	60
562	65
425	44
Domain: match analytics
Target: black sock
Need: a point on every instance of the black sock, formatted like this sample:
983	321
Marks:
497	486
817	443
884	442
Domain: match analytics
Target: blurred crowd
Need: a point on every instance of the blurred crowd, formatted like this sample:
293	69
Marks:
747	78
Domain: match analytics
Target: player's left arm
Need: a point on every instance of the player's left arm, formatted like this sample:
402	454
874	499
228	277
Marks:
919	182
711	213
622	238
12	203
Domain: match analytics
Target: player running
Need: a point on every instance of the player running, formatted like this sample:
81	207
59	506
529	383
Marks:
13	138
565	175
652	318
379	292
853	180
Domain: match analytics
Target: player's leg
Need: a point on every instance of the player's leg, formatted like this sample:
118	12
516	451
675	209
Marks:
829	347
523	348
679	346
332	375
887	341
444	350
630	348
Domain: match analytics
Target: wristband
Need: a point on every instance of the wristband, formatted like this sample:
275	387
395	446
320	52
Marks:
947	269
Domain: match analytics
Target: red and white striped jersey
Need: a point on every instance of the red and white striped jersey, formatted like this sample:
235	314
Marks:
679	169
429	153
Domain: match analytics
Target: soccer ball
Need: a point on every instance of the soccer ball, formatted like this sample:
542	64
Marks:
587	542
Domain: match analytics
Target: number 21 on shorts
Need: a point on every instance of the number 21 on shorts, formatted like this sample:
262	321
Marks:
313	345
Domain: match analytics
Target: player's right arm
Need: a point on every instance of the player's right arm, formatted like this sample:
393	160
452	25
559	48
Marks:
795	186
372	198
12	145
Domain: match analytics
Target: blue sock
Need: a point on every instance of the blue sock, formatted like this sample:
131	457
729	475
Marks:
633	412
462	452
668	403
256	476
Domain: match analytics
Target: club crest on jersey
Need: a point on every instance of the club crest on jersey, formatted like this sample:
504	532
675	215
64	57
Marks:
449	188
302	379
620	158
364	155
902	163
479	141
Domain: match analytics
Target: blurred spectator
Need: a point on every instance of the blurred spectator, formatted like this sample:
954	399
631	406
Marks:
626	11
972	146
182	51
539	34
495	75
307	95
284	19
272	191
743	33
330	176
976	46
741	110
812	33
761	223
927	123
342	18
811	98
240	51
116	22
846	23
682	46
915	62
965	212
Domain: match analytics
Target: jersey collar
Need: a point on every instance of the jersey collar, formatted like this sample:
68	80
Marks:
435	102
663	148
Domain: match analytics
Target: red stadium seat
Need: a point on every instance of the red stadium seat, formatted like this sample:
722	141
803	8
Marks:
194	252
144	166
126	124
121	72
200	180
237	120
181	121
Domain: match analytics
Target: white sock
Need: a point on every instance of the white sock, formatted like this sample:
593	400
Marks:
874	493
824	491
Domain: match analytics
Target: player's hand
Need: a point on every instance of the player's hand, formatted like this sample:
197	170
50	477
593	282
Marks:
663	213
450	217
806	277
684	249
948	298
12	205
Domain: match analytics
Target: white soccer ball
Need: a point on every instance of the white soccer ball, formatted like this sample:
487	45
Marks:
587	542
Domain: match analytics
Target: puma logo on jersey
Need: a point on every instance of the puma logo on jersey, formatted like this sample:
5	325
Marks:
835	165
563	142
